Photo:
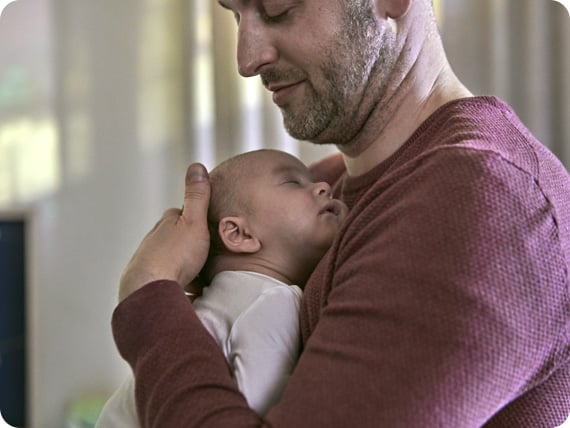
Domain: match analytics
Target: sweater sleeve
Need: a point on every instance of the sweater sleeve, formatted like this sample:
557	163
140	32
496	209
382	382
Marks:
443	306
182	379
328	169
434	309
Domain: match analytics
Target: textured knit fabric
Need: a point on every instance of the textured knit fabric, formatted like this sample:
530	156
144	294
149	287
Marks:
255	321
443	302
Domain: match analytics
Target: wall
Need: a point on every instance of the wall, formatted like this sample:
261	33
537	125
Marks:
72	158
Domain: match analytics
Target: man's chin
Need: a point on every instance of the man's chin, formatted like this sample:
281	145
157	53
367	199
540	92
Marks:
305	129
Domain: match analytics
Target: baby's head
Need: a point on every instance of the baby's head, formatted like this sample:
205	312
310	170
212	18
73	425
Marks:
267	215
228	196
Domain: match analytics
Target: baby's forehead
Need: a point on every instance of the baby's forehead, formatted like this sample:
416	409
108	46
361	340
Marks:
272	162
260	165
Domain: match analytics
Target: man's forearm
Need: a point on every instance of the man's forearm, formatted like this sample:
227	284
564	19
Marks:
179	369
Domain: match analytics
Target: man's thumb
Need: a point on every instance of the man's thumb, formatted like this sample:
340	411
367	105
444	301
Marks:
196	192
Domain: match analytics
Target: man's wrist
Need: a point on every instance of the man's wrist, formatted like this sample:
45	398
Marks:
131	282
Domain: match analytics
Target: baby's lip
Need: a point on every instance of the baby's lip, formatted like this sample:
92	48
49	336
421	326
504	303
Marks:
334	206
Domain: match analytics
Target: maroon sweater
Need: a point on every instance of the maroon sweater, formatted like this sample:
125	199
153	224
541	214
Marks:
444	301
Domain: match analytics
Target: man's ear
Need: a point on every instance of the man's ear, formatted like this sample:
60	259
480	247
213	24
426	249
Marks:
236	235
393	9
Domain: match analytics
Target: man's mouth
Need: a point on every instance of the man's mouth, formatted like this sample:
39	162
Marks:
276	87
282	92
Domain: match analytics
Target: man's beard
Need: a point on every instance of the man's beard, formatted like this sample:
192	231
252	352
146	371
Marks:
356	53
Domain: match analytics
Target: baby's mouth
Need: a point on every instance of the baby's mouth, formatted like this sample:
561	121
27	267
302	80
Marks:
331	207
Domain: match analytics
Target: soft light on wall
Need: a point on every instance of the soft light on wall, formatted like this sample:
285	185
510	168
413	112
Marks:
29	156
29	166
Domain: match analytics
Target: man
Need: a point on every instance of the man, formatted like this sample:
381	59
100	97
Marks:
443	302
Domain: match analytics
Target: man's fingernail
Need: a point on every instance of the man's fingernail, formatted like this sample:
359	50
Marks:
196	175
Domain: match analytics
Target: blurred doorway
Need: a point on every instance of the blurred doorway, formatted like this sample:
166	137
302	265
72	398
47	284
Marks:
13	321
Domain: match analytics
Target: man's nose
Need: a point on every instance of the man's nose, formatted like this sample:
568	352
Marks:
255	48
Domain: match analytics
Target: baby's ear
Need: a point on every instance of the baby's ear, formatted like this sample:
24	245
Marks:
236	235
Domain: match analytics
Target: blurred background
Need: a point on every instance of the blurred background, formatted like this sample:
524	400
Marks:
102	106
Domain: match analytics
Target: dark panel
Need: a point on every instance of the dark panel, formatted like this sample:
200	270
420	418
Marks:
13	322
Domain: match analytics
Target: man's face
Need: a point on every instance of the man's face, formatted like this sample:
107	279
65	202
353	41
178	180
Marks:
323	60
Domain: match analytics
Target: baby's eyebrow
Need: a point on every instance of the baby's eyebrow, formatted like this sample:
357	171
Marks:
278	170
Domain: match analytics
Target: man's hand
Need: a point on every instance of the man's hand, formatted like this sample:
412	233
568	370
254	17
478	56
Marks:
177	246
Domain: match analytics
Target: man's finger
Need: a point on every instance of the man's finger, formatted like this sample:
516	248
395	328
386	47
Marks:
196	193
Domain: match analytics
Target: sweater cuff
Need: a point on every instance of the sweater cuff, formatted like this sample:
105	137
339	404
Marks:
138	321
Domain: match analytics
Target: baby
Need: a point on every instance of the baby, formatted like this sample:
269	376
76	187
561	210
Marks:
270	224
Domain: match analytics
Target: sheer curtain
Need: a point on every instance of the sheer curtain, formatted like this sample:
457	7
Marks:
518	50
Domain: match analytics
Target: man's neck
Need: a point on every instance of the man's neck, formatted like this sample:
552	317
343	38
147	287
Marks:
421	83
401	125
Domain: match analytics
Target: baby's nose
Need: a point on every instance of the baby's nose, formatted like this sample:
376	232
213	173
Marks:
323	188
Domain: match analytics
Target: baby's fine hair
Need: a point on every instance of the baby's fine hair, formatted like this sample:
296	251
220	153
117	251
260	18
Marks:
228	196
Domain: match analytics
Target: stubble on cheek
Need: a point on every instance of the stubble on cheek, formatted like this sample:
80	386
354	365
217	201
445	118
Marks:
351	77
307	119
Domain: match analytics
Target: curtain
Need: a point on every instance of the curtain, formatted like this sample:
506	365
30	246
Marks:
518	50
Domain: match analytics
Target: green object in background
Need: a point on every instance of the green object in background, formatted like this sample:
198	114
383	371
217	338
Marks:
84	411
